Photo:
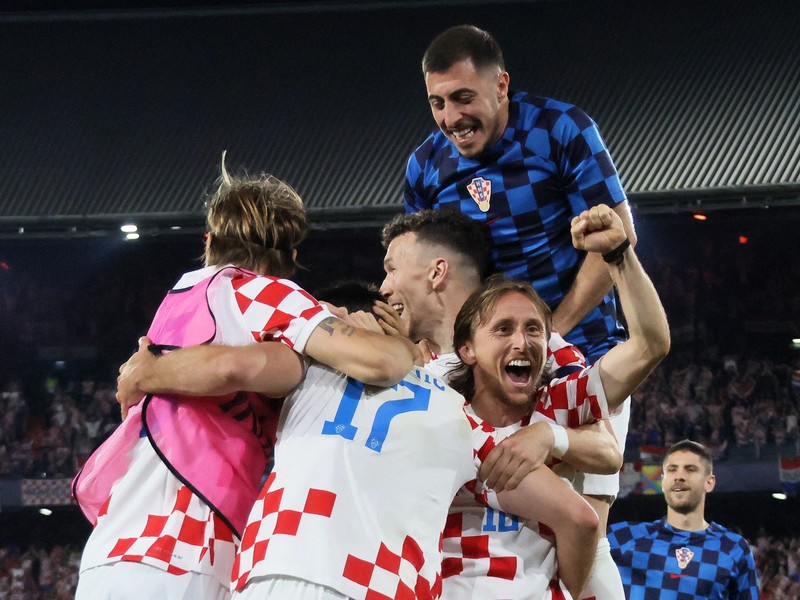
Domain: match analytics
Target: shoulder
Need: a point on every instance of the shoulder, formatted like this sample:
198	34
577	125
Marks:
623	532
280	294
433	145
549	112
730	541
561	121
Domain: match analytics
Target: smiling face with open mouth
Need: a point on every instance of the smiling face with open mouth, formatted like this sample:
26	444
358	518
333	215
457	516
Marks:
470	106
405	286
686	481
507	354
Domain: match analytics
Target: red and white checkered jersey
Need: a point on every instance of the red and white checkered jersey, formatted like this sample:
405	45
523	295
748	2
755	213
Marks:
489	553
250	308
363	482
150	516
563	357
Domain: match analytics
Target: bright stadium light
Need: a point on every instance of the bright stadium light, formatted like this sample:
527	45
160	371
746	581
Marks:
779	496
131	236
129	228
45	511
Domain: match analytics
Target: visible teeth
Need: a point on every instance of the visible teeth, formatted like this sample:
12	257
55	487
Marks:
398	308
463	132
519	363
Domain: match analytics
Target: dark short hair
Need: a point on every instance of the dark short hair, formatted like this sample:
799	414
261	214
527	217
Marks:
476	310
353	295
694	448
449	229
460	43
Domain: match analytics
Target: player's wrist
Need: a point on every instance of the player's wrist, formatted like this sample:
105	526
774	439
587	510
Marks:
617	255
560	440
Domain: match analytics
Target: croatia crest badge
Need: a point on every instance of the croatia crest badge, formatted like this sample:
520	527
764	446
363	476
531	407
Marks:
684	556
481	191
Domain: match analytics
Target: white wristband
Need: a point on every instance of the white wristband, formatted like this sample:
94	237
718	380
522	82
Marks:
561	440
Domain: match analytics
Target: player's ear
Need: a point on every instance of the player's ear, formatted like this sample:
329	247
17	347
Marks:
466	351
503	82
711	481
438	272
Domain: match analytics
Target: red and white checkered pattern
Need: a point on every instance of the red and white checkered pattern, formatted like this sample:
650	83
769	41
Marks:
274	309
474	548
340	511
152	518
274	520
560	354
384	576
173	534
573	400
488	554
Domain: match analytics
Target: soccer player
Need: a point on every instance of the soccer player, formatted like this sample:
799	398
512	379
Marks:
170	491
501	336
525	166
683	555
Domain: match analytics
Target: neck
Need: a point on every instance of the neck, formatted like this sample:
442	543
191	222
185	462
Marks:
504	111
693	521
494	411
449	304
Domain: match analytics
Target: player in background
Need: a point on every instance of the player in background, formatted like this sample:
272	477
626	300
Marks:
683	555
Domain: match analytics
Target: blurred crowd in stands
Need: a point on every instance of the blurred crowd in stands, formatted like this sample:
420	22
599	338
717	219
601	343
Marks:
55	444
38	573
727	403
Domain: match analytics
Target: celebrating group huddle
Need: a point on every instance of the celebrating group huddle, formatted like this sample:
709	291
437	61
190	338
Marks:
438	437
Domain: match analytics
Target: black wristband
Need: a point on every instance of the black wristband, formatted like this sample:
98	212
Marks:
615	256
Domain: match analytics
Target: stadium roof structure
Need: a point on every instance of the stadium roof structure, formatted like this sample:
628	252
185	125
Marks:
115	111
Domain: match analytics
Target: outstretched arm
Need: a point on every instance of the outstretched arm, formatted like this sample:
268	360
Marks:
543	497
624	367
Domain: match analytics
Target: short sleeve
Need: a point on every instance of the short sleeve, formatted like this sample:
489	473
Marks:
277	310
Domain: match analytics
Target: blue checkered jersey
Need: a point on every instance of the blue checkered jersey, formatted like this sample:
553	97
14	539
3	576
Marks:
550	165
657	561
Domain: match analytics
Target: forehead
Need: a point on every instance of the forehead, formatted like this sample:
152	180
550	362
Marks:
462	75
683	458
402	248
517	306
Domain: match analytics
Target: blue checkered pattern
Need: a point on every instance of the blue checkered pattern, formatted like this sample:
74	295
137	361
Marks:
550	165
647	555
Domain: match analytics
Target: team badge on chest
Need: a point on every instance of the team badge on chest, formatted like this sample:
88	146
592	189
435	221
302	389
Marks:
481	191
684	556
